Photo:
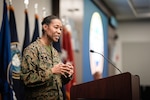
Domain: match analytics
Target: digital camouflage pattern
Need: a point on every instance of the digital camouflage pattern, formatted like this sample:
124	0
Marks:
40	82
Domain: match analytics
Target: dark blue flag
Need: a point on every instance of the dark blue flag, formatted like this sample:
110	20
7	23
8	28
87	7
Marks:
36	29
13	29
27	31
16	57
5	57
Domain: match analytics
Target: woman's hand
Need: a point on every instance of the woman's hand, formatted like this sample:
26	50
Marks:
71	69
63	69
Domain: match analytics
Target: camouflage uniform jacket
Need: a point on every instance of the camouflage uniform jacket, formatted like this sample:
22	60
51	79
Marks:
40	82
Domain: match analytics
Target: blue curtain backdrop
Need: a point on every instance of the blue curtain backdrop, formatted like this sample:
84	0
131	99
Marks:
89	9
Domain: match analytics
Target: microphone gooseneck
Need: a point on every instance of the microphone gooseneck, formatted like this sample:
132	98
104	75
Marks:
92	51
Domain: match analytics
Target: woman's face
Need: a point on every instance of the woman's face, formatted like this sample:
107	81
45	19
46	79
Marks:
54	30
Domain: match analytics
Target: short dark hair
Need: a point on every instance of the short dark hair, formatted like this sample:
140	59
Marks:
47	20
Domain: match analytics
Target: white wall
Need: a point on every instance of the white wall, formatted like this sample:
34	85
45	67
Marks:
134	35
20	16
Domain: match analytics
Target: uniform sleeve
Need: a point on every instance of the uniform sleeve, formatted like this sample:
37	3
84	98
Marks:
34	74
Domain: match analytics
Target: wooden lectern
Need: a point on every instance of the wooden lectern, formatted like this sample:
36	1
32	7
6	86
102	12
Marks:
118	87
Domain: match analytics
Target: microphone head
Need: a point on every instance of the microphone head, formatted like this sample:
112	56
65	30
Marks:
91	51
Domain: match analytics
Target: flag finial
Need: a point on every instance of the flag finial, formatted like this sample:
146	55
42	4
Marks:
36	8
10	2
26	2
44	12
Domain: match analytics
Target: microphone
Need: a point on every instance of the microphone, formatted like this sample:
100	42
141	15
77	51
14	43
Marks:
92	51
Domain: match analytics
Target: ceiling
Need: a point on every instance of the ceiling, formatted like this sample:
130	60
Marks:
129	9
